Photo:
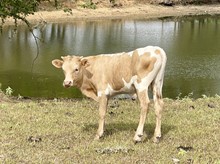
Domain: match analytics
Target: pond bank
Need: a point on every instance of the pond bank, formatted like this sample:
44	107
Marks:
146	11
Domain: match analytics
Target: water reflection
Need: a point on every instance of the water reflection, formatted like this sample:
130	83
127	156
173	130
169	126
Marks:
191	43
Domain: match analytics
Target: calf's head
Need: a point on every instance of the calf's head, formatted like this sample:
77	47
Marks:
73	69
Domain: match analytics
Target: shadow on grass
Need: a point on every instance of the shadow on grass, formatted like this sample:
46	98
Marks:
113	128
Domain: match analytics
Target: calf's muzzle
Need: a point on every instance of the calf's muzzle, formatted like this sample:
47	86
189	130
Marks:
67	84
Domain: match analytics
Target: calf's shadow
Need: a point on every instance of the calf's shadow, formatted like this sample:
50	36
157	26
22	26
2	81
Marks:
112	128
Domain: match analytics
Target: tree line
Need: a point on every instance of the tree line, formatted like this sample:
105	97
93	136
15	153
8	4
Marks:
20	9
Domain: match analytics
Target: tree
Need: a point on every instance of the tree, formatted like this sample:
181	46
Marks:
17	9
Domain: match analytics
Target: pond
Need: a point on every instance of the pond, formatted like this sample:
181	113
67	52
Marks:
192	45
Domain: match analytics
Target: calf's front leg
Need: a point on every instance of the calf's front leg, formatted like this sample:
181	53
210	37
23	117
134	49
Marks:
103	101
90	94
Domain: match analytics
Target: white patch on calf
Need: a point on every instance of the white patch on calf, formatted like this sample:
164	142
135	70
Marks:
146	81
99	93
128	86
109	90
141	51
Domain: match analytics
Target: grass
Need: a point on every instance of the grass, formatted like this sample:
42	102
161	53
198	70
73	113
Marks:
62	131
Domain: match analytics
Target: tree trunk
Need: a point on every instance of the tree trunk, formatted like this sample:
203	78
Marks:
56	3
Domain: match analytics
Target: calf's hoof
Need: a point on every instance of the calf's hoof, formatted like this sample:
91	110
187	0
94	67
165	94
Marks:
98	137
137	138
157	139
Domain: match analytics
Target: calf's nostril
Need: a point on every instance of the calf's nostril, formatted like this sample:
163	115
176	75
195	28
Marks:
67	83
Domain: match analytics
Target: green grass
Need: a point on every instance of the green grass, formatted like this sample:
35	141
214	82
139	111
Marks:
62	131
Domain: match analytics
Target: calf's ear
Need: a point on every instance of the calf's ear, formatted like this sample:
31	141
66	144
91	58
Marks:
84	62
57	63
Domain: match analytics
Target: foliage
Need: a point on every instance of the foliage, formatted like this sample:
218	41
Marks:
8	91
89	4
17	9
68	10
4	97
62	131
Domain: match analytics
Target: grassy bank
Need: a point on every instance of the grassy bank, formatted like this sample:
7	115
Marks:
62	131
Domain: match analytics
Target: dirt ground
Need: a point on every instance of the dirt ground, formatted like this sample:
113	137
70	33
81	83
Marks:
141	11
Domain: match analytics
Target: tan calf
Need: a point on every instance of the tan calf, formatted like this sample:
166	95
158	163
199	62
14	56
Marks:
102	76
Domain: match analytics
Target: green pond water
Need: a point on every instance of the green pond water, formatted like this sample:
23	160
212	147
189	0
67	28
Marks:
192	45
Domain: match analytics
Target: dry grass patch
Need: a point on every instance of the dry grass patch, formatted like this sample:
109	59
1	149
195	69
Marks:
62	131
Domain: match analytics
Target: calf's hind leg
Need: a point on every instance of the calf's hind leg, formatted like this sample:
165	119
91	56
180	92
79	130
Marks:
158	105
144	101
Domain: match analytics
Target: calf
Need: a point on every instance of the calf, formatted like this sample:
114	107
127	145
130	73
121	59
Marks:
103	76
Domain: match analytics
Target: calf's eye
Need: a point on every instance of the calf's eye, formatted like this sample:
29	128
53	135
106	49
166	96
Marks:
76	69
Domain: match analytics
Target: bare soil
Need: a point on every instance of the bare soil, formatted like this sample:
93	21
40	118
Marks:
137	11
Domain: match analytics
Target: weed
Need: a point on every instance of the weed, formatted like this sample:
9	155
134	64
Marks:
9	91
